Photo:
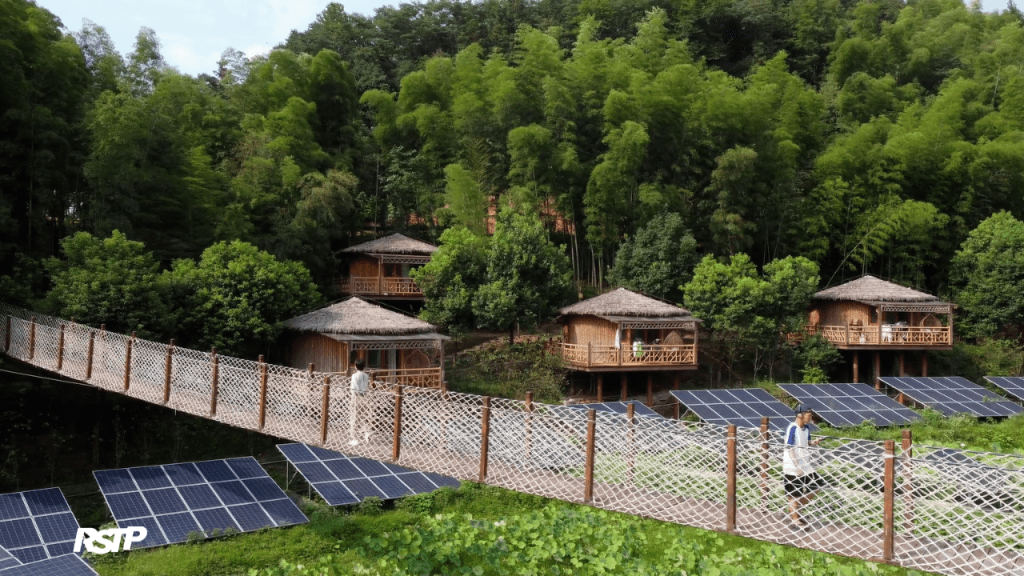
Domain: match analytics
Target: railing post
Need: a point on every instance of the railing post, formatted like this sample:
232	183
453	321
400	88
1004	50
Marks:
167	372
396	446
7	337
888	532
730	481
529	427
630	440
485	430
88	359
588	486
128	362
213	382
32	338
907	450
589	355
60	349
325	410
764	462
847	328
263	392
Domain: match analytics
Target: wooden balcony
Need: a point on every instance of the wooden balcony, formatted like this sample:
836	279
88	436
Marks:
421	377
883	336
595	358
393	287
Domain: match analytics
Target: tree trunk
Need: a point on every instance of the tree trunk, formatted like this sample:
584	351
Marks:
511	335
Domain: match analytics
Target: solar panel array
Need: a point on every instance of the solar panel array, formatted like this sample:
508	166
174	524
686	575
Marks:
1012	385
953	395
174	500
7	560
67	565
36	525
743	407
618	408
850	404
341	480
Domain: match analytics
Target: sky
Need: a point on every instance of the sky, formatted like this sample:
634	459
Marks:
194	33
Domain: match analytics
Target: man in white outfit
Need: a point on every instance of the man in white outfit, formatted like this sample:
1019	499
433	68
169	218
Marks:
359	386
800	480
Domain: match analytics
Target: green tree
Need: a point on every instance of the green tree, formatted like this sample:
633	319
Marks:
451	278
112	281
528	277
658	259
987	276
236	297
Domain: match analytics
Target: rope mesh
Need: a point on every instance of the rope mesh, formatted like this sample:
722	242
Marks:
953	511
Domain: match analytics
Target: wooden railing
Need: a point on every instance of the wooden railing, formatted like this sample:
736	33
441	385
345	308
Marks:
387	286
885	335
421	377
590	355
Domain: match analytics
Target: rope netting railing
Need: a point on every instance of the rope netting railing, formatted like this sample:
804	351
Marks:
939	509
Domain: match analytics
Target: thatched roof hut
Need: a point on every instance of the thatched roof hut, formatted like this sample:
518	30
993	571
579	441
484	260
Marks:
628	304
393	244
358	317
867	288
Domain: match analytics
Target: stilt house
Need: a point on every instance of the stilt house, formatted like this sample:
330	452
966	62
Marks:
380	268
872	314
397	348
624	331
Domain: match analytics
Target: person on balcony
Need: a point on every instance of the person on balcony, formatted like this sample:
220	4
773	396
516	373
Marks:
638	348
359	388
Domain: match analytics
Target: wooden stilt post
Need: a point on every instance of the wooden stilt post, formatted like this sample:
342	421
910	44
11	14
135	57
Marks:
675	408
650	389
396	444
88	358
485	430
924	364
263	392
7	337
625	386
878	370
764	461
588	481
856	366
730	482
325	410
167	371
907	451
128	362
32	338
529	428
600	387
60	349
888	531
214	378
590	354
675	380
630	440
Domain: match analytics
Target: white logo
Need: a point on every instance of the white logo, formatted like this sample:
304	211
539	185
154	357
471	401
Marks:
103	541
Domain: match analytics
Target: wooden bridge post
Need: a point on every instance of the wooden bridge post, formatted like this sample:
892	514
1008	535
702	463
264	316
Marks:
7	337
325	410
907	451
730	480
214	377
263	392
630	440
32	338
396	445
888	532
529	427
600	387
128	362
588	481
650	389
60	349
167	372
485	430
764	461
88	359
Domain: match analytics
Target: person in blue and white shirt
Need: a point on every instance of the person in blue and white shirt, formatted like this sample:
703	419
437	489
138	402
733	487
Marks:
800	480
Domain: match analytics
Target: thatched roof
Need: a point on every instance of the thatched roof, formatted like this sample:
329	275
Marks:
622	302
870	289
394	244
356	316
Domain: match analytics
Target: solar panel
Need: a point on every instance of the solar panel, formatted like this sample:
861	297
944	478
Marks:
743	407
340	480
67	565
953	395
618	408
176	500
1012	385
36	525
7	560
850	404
